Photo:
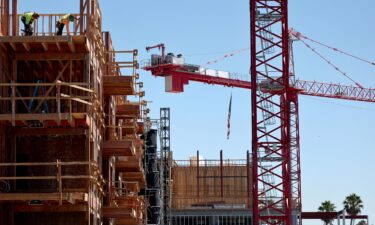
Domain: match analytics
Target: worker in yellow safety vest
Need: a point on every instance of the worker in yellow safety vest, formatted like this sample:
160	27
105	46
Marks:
27	19
64	21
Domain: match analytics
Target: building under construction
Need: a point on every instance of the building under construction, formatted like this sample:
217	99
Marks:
71	144
77	145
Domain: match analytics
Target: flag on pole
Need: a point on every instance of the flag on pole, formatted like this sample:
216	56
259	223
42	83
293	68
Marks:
229	112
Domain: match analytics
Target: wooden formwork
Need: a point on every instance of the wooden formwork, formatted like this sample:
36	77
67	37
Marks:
211	183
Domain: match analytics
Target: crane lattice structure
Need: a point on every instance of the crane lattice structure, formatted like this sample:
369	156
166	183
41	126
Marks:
166	163
274	99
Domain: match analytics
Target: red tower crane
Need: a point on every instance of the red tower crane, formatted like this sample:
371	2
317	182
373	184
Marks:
274	99
270	114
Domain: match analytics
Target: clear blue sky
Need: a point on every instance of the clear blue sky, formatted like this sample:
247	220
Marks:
337	137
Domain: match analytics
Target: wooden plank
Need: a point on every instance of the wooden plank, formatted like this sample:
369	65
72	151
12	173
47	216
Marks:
118	148
26	46
47	131
49	56
128	109
43	196
50	208
118	85
129	127
133	176
40	116
14	18
132	187
72	47
45	46
132	164
43	39
137	142
115	212
185	188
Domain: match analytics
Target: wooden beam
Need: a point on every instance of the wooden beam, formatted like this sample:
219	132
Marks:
50	208
26	46
14	47
40	116
72	47
43	39
47	131
128	109
58	46
45	46
118	148
6	16
14	18
134	176
42	196
49	56
115	212
51	88
129	164
118	85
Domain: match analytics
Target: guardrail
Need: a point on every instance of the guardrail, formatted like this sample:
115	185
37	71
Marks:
45	25
81	93
55	172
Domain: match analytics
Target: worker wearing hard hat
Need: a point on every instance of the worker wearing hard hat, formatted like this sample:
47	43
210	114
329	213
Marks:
64	21
27	19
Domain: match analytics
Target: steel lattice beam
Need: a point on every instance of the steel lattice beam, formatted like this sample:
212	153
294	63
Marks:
272	202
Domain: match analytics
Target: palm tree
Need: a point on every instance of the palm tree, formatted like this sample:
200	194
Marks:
362	222
353	205
327	206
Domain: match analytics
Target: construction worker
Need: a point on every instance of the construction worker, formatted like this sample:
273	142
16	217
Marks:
27	19
62	22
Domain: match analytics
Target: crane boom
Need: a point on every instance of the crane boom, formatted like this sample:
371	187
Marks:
178	76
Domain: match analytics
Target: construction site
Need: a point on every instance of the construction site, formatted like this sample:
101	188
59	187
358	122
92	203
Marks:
82	143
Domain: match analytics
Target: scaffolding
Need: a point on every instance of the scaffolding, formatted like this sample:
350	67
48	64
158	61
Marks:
70	138
165	161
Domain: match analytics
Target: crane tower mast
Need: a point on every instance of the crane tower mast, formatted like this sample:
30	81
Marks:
271	147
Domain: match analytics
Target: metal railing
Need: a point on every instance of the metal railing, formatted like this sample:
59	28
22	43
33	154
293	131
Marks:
209	162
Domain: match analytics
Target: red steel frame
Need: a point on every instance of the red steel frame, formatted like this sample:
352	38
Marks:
275	149
272	147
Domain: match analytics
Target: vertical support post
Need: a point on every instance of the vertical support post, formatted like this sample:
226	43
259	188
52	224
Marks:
58	99
81	12
1	18
14	159
198	174
14	18
221	174
70	89
248	182
13	89
6	21
58	165
93	7
88	15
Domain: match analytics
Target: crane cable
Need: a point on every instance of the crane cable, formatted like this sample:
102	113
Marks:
297	35
228	55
